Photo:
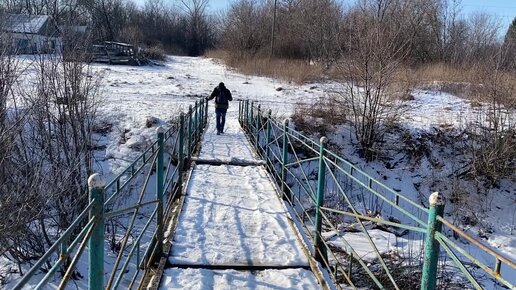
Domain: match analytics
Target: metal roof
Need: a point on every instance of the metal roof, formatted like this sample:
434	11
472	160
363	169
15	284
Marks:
73	28
31	24
119	43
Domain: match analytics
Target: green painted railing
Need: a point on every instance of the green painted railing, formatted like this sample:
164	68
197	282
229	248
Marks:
325	190
141	244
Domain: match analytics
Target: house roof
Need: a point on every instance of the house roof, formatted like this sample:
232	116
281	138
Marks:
73	28
30	24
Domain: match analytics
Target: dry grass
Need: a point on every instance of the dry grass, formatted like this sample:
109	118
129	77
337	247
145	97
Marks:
296	71
155	53
465	82
319	118
441	72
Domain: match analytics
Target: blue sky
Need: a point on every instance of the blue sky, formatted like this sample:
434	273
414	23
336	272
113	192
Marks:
219	4
503	9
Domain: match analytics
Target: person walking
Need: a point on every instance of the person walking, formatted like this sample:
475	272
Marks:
222	98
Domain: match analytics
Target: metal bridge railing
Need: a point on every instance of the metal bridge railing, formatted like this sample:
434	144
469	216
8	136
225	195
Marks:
142	242
325	190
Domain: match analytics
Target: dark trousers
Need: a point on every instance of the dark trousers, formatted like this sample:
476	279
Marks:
221	119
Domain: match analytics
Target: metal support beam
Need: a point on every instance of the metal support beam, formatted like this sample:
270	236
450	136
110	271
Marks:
159	194
284	162
181	154
269	114
429	277
190	129
319	248
96	244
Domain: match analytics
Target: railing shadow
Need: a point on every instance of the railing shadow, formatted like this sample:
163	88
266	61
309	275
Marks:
134	206
362	232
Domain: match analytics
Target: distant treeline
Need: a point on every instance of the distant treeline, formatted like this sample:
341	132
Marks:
323	31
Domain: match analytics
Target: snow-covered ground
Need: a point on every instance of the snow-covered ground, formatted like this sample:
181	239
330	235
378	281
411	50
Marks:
135	100
232	214
131	96
184	79
428	153
233	217
201	279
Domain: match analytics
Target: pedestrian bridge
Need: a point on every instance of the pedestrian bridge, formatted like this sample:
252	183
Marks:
234	231
259	207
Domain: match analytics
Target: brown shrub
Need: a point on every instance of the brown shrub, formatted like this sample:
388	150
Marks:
320	117
155	53
296	71
463	82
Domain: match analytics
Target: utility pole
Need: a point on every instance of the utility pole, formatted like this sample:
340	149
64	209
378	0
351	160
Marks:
273	30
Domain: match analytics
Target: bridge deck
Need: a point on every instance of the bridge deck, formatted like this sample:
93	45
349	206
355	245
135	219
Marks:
233	231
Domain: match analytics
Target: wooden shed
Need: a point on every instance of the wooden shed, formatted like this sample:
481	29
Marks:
30	34
116	53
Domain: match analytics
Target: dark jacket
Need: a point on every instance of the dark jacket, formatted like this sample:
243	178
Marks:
216	92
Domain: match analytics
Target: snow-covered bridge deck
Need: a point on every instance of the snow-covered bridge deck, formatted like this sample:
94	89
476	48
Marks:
233	231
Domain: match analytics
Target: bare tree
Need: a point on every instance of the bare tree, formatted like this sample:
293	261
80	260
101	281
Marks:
483	36
197	29
20	206
321	21
367	72
62	122
510	46
45	151
493	142
244	28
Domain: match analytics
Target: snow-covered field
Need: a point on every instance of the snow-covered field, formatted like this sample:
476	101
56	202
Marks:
200	279
132	95
233	217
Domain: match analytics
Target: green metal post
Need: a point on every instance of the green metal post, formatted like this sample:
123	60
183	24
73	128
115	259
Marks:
251	118
190	146
247	115
243	113
196	122
201	116
240	112
96	244
138	255
200	121
319	248
64	250
181	157
429	277
205	113
257	132
269	114
160	193
284	161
